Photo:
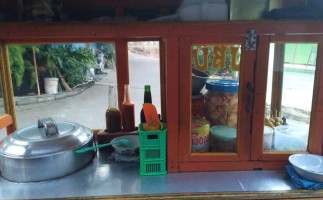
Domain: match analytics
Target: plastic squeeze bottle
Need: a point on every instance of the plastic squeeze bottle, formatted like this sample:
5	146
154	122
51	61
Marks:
128	111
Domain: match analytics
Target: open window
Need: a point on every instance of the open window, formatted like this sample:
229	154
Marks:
67	82
144	69
290	86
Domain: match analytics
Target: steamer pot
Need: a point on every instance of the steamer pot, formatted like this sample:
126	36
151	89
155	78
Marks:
45	151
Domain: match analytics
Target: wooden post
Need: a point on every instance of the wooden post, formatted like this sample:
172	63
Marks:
6	86
278	75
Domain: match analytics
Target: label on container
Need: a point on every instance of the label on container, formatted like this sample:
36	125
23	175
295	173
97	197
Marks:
198	105
200	143
200	135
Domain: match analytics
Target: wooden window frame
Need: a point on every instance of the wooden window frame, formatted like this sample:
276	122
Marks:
315	138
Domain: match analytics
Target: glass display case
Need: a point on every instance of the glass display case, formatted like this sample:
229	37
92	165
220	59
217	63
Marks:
248	108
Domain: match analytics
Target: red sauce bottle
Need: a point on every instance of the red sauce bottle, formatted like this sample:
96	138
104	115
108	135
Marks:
128	111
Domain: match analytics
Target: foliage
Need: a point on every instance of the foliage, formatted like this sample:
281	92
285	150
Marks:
17	63
51	59
30	69
72	62
75	63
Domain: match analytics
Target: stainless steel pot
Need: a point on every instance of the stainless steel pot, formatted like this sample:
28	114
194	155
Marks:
45	151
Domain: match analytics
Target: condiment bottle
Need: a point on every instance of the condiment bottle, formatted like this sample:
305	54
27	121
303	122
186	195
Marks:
113	115
128	111
147	99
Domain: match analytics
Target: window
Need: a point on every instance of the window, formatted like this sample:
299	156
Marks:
290	83
144	69
79	90
215	94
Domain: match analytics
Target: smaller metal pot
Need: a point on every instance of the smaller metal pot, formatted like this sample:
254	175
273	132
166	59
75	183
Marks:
45	151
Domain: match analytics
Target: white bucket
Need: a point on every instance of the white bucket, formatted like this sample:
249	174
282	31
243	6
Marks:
51	85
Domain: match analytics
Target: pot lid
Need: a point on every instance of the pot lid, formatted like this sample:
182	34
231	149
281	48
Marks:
44	139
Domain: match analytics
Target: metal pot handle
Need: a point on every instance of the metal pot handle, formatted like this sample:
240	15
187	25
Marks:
50	126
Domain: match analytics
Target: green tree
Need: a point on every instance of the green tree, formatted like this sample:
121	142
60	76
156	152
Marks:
67	62
17	63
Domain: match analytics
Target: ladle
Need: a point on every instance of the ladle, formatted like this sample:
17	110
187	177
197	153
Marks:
123	143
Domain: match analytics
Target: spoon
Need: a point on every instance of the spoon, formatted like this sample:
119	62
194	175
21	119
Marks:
123	143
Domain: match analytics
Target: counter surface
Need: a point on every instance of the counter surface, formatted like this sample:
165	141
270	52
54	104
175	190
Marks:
104	177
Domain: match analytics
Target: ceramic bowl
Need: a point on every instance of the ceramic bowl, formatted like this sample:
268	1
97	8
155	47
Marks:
308	166
134	139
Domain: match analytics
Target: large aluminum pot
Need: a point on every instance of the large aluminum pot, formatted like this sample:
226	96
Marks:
45	151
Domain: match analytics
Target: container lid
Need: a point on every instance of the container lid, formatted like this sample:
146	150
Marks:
224	132
222	85
283	129
44	139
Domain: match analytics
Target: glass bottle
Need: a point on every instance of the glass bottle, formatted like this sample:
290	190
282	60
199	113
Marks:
128	111
113	114
147	99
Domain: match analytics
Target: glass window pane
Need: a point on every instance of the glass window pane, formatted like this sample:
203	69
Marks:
289	96
215	88
79	90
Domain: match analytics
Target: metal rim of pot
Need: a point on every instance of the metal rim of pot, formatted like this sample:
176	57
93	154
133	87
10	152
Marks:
45	151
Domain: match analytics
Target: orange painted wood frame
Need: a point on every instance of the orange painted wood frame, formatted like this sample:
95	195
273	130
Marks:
6	89
7	122
316	127
244	118
176	40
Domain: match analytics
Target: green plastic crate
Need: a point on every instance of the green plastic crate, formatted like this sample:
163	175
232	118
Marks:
152	153
152	138
153	167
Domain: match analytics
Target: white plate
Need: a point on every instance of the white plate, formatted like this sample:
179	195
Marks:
308	166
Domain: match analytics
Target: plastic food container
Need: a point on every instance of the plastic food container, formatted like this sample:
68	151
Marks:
221	102
291	138
200	134
223	138
268	138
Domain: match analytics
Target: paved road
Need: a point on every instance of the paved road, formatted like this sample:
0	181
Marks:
88	108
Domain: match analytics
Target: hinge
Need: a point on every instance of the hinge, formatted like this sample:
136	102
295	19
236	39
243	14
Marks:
251	40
